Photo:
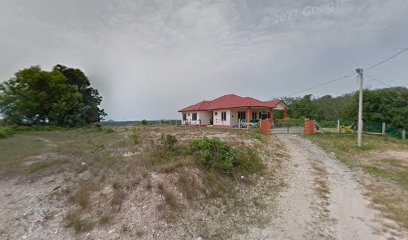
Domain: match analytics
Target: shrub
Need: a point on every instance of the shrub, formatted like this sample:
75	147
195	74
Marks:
73	219
109	130
170	198
166	154
143	122
137	134
168	142
214	154
220	156
6	132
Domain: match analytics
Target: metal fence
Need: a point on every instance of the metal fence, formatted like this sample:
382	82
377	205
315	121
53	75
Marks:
290	126
369	127
288	130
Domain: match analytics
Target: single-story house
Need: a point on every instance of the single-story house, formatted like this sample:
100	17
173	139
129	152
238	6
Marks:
230	110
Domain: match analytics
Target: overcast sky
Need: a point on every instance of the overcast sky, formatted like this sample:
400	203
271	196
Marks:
151	58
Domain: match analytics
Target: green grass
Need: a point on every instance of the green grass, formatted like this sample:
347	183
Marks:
42	165
345	145
15	150
6	132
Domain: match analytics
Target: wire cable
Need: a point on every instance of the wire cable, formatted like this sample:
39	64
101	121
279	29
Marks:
378	80
323	84
387	59
351	74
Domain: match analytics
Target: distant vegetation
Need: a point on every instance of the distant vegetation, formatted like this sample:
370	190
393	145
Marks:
389	105
61	97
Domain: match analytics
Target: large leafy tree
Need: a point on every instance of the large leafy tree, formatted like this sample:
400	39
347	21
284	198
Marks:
90	95
35	96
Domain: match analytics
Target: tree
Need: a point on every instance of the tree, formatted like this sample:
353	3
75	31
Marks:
35	96
389	105
90	95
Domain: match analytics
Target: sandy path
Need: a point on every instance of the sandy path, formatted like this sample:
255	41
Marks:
323	199
32	210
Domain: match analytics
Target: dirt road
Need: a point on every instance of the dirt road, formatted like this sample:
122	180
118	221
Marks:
324	200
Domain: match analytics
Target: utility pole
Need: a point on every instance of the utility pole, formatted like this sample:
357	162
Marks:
360	73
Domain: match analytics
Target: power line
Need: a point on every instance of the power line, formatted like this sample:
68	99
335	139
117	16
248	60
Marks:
378	80
351	74
323	84
387	59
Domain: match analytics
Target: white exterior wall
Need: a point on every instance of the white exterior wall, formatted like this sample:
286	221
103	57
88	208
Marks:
231	118
217	118
189	118
204	116
234	118
280	106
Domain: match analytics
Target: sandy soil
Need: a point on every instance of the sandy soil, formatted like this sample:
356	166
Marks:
31	209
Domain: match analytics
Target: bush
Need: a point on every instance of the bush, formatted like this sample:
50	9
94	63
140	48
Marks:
143	122
214	154
137	134
220	156
166	154
168	142
6	132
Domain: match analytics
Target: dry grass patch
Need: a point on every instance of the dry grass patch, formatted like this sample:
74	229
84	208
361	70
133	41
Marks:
75	220
113	166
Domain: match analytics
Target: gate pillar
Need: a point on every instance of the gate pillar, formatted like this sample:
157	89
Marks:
265	126
309	127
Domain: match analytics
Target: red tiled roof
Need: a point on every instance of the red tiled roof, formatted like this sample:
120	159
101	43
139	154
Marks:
230	101
274	103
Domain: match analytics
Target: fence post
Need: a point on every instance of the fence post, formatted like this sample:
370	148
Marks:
404	134
383	128
338	126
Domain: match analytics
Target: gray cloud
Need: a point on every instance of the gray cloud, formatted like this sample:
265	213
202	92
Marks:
151	58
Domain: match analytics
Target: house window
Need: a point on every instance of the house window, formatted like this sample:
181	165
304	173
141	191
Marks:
260	115
242	115
194	117
254	114
184	117
223	116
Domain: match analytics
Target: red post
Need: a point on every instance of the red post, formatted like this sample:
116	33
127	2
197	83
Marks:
249	117
309	127
265	126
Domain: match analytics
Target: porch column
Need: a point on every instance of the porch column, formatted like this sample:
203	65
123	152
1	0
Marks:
249	117
271	114
284	117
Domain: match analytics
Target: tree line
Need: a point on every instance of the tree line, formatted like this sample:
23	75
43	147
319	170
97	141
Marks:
60	97
389	105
